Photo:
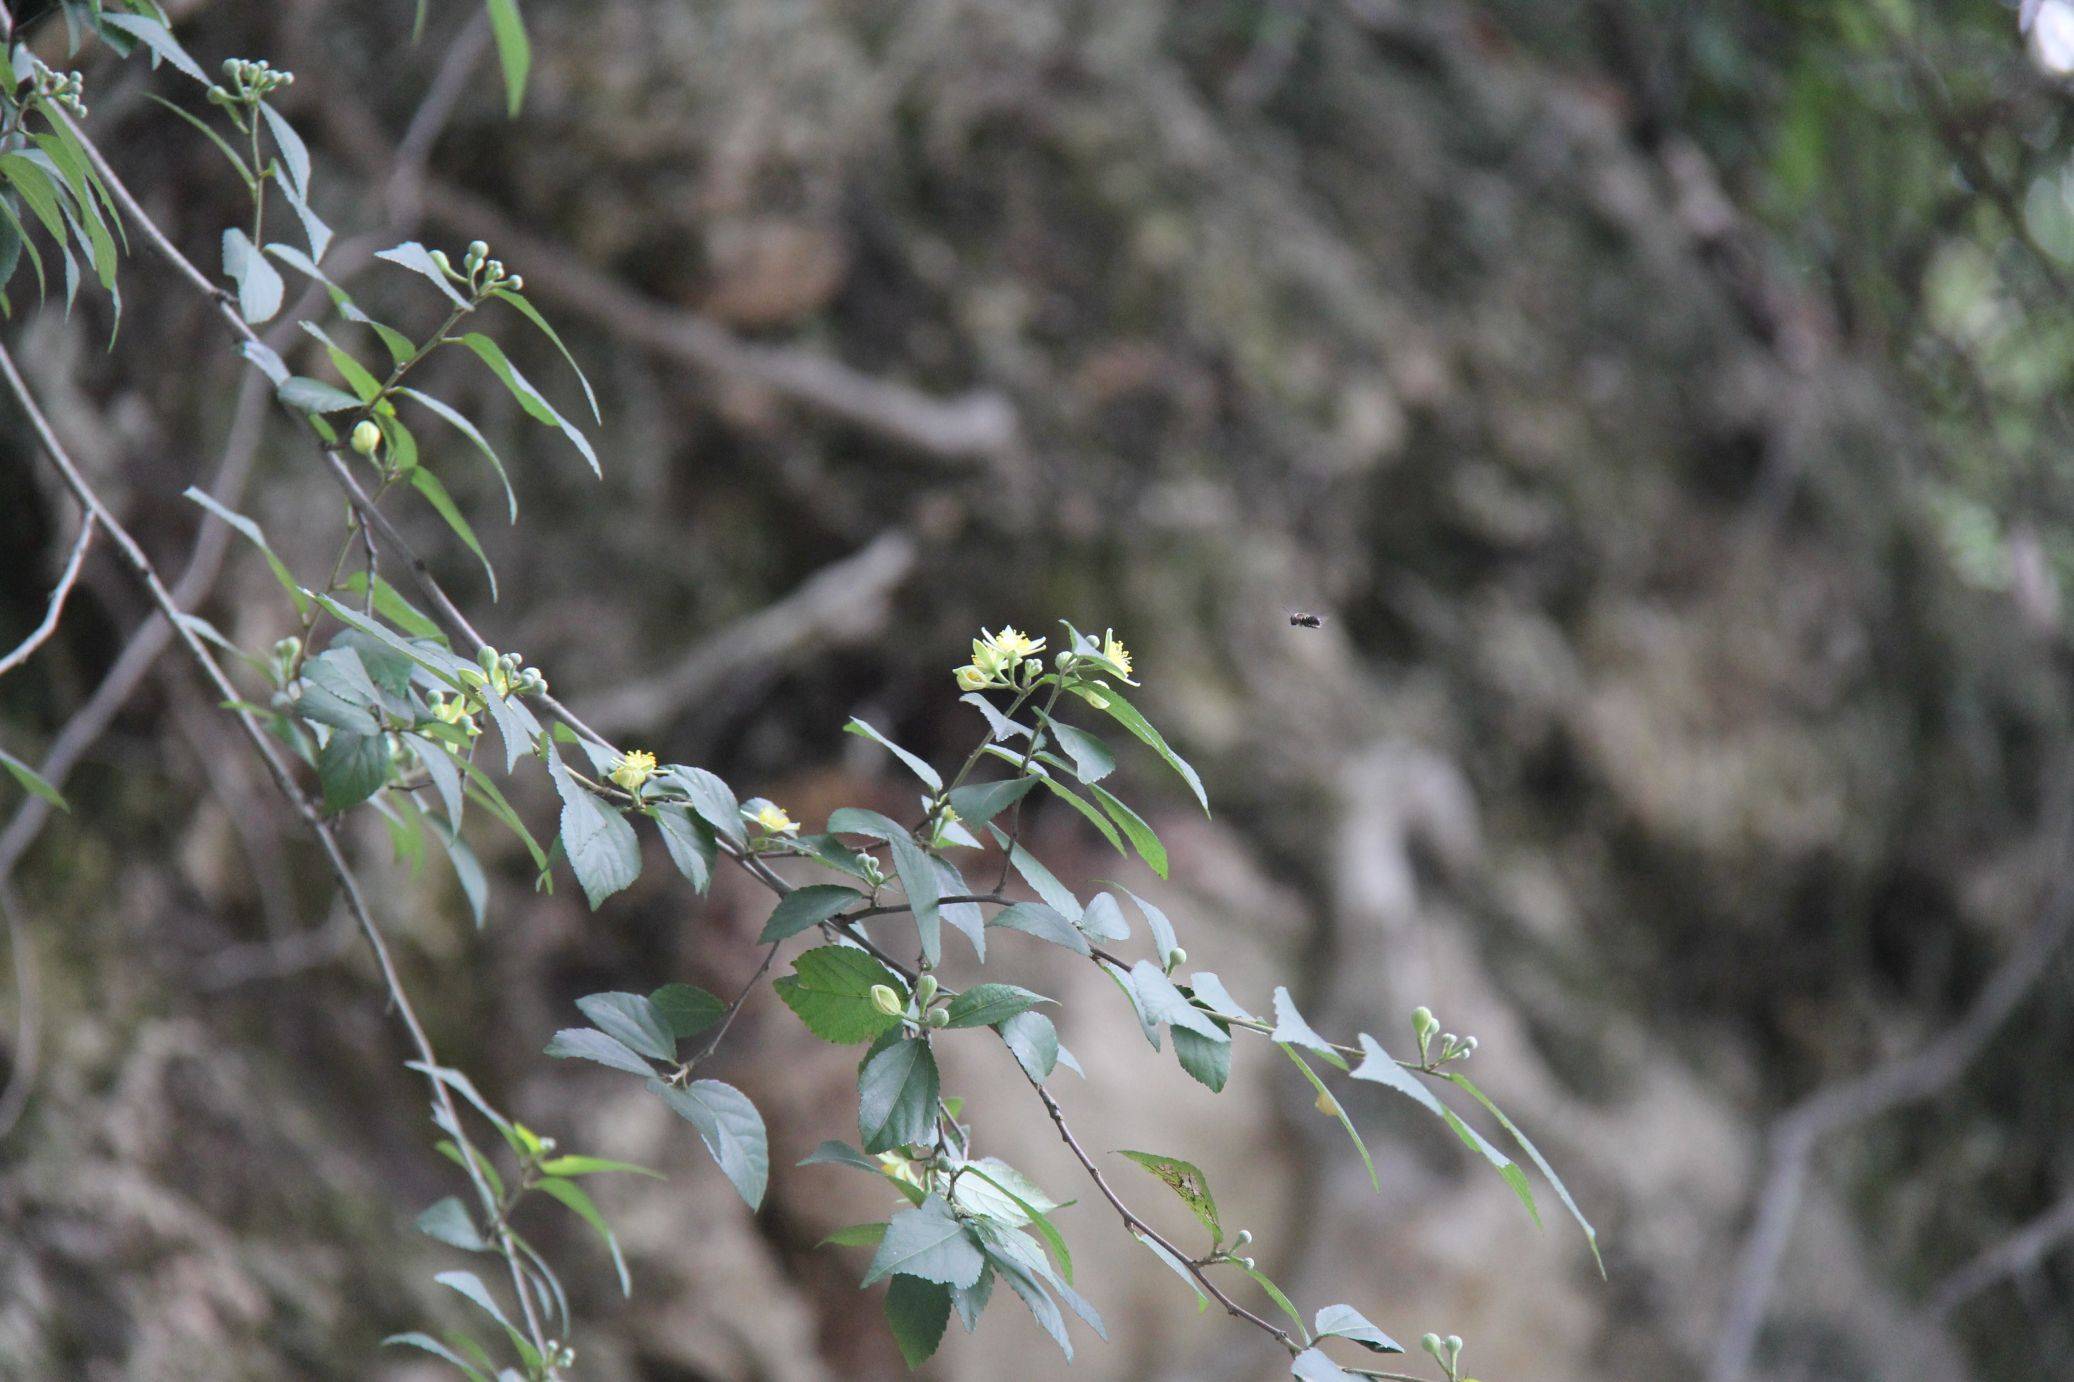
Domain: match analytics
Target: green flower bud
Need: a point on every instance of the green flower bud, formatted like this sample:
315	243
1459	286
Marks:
886	1001
1245	1237
477	252
515	282
440	260
1431	1343
939	1017
1247	1263
486	658
1176	958
367	437
1453	1343
925	990
1422	1020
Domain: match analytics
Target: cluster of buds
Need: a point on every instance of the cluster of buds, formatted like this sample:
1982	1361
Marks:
1446	1352
63	89
941	824
504	675
1425	1026
769	818
458	711
1242	1240
481	274
874	872
923	1012
1003	661
247	83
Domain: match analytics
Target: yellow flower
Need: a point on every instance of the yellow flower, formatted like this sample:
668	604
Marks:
970	678
772	820
1113	649
633	769
1012	644
897	1167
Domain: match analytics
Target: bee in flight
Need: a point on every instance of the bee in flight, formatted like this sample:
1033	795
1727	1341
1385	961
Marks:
1306	621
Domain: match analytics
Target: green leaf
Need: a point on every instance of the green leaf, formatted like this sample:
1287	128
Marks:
1134	828
1004	1178
428	1344
251	533
352	768
260	289
690	844
1034	1043
1056	895
295	155
593	1165
979	804
1094	817
1178	1268
917	1313
915	869
686	1009
1345	1322
983	1005
158	39
802	909
1125	714
1164	940
731	1128
1274	1293
585	1043
598	841
467	1284
855	1236
581	1204
1165	1003
469	430
1208	988
1378	1067
1036	919
712	799
1187	1180
830	990
918	766
1207	1062
1092	760
1339	1111
1291	1029
415	257
393	607
448	1221
31	780
896	1095
532	314
337	692
427	484
1315	1365
1591	1235
633	1021
514	50
929	1243
307	395
529	398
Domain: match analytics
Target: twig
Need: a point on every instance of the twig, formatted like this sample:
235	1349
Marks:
43	631
1912	1079
349	884
2018	1253
28	1017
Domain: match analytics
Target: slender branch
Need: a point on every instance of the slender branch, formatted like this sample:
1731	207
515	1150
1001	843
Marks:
2018	1253
349	884
43	631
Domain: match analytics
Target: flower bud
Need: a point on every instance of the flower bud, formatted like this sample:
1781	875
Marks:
971	678
939	1017
1247	1263
1176	958
925	990
1431	1343
885	1000
515	282
1245	1237
367	437
1453	1344
441	262
1422	1019
486	658
477	252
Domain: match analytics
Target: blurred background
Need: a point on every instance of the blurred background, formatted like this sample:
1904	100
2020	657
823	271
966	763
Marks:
1662	402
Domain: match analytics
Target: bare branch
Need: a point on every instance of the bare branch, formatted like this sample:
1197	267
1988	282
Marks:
2020	1252
43	631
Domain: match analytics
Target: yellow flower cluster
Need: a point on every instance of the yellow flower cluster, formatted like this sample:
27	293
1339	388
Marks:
995	656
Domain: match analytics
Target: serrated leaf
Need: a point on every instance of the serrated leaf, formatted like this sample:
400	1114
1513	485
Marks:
1092	760
896	1095
631	1020
731	1128
976	805
351	768
1293	1030
983	1005
1164	940
1142	837
1034	1042
600	845
917	1313
1186	1180
1345	1322
686	1008
585	1043
712	799
1207	1062
802	909
927	1242
1125	714
1165	1003
830	990
1036	919
689	844
1210	989
158	38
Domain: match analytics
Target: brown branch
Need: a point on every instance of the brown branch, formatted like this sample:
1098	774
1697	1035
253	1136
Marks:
42	632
